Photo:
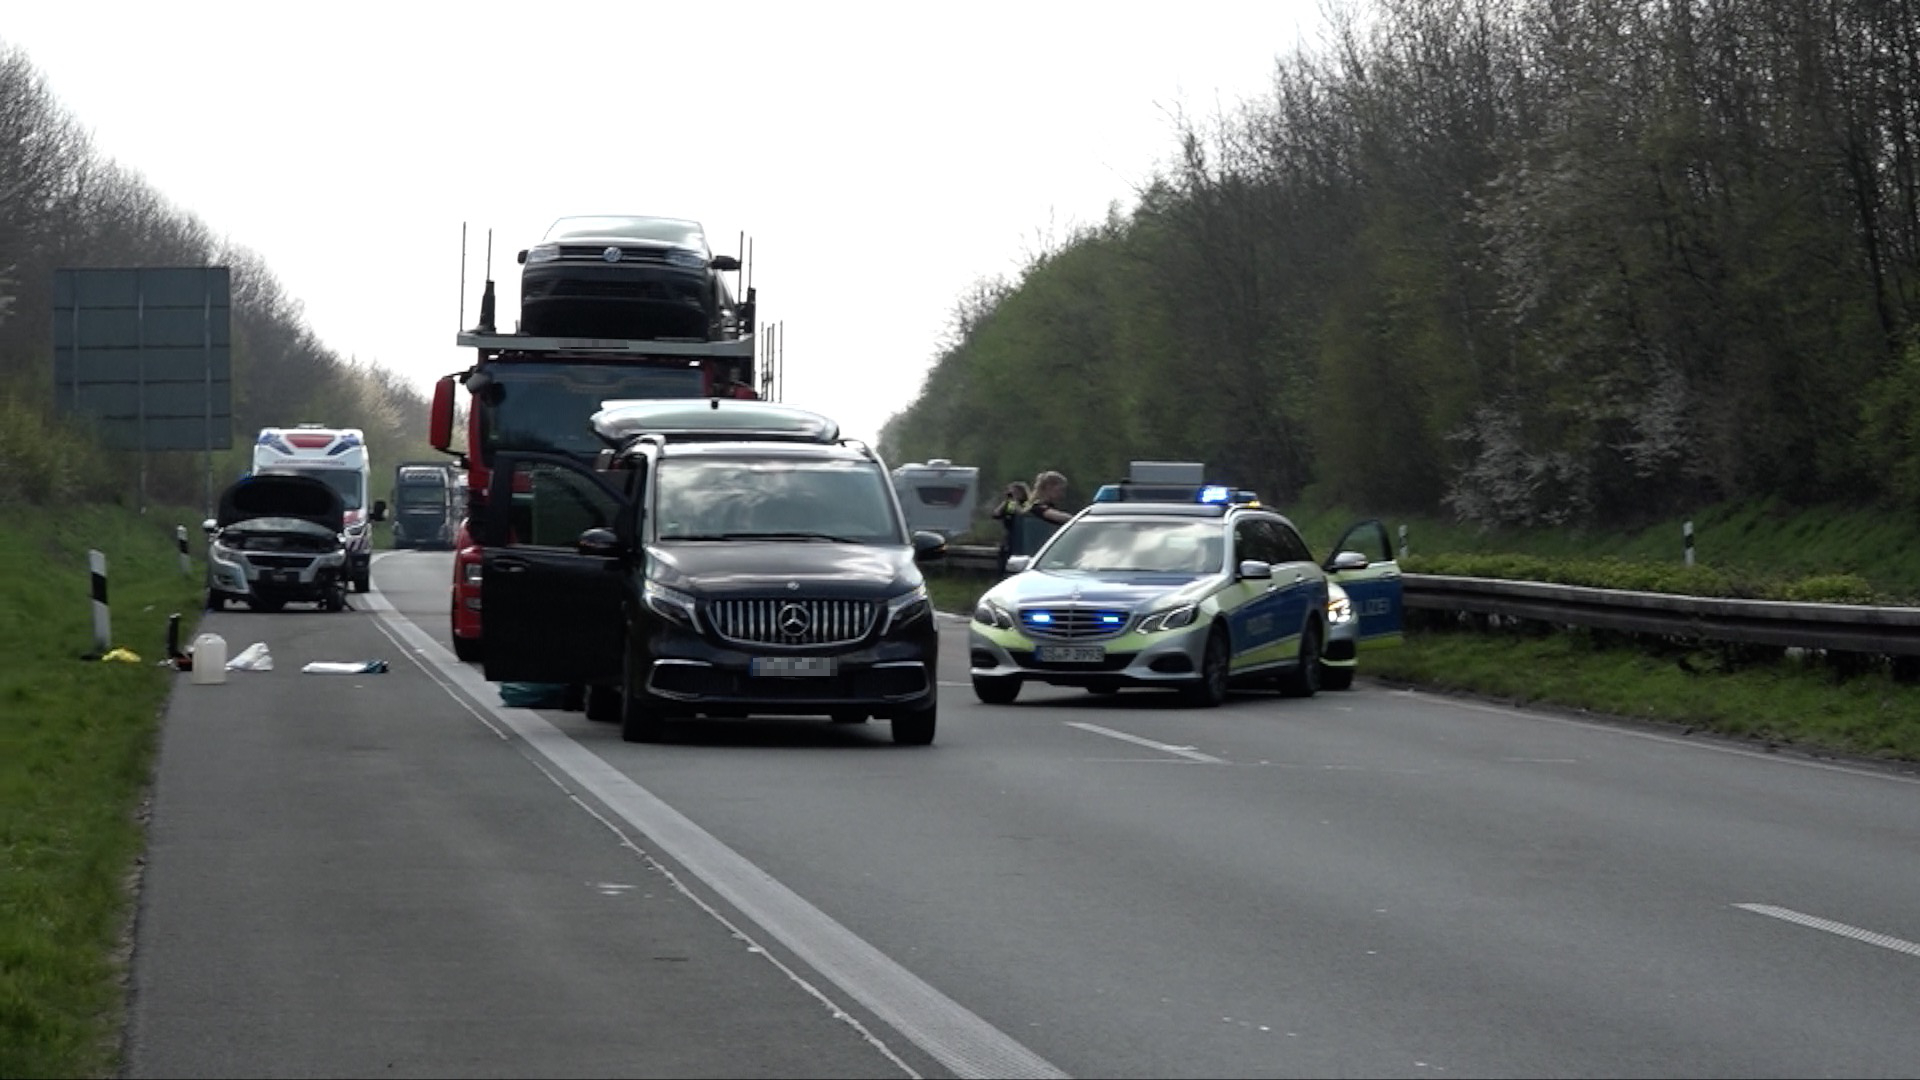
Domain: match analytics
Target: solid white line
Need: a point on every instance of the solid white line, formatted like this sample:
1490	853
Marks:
1885	941
1183	751
946	1030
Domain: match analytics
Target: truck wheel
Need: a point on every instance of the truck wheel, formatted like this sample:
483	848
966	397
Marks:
467	649
603	703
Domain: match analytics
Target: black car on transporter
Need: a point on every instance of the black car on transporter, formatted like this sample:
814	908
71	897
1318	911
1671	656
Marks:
721	558
627	277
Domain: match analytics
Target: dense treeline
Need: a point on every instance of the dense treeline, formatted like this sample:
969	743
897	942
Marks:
62	205
1524	261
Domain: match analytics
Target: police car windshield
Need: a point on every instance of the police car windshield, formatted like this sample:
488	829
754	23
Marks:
1094	545
774	498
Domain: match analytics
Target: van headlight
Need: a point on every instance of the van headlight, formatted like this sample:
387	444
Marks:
908	607
671	604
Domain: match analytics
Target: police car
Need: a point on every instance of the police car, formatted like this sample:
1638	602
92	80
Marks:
1192	594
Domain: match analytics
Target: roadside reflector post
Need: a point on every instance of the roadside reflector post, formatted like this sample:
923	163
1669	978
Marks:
102	627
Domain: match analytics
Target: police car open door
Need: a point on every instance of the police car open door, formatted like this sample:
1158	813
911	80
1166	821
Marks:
1373	589
553	547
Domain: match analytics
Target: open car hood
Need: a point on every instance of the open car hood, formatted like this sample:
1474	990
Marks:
272	495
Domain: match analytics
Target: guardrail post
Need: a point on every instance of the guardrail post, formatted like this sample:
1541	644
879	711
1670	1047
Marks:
1686	531
1403	541
102	627
180	538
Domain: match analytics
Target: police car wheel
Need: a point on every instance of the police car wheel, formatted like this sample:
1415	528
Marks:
1210	689
1304	679
996	691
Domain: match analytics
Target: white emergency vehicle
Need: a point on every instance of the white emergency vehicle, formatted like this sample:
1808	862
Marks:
337	456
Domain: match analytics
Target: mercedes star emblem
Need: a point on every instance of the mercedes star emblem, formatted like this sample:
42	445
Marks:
793	620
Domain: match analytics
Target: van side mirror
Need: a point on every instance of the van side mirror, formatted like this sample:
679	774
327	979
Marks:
521	257
598	542
725	262
928	546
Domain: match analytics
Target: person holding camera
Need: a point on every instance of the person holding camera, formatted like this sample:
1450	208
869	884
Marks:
1013	503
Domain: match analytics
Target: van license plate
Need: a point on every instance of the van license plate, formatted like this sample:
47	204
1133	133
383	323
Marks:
1072	654
792	666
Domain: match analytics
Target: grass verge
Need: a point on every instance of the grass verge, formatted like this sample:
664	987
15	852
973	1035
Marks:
76	748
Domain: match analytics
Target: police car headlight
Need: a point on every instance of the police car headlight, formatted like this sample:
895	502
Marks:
1170	619
909	606
1339	607
670	604
991	614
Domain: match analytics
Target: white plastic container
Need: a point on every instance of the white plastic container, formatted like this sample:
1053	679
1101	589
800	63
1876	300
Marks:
209	659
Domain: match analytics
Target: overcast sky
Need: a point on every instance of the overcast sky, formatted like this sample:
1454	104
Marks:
881	157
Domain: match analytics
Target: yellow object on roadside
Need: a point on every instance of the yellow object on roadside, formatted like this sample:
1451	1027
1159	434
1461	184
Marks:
124	655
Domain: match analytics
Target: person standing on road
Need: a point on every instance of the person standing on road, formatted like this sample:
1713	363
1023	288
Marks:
1049	491
1013	503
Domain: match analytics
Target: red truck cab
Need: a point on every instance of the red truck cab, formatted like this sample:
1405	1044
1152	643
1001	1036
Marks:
531	393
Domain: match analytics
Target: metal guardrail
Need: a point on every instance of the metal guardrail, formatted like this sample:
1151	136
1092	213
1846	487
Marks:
1891	631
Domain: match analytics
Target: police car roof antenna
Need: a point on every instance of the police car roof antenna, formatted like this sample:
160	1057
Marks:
463	277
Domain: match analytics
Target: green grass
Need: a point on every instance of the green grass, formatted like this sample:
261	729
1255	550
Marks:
1779	702
76	747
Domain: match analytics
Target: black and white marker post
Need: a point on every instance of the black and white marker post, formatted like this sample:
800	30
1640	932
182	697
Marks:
102	629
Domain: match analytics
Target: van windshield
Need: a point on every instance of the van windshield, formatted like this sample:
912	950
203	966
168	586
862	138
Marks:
786	498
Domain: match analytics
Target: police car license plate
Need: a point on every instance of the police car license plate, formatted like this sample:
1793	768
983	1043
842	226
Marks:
791	666
1072	654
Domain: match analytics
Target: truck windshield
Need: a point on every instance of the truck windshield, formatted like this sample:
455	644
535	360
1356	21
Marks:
734	498
546	406
433	495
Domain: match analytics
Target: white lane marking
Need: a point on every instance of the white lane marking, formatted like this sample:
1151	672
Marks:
946	1030
1885	941
1187	752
